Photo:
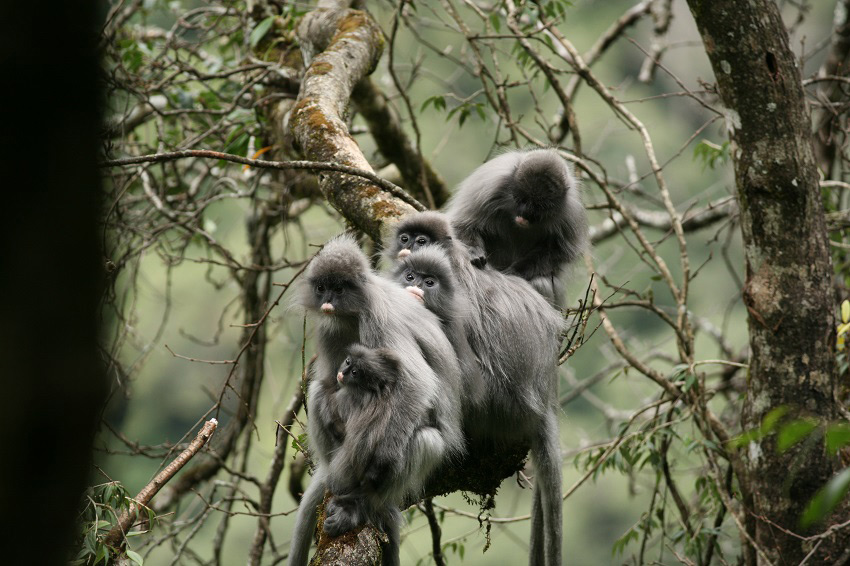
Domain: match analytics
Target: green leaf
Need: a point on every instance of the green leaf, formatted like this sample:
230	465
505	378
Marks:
845	311
135	557
496	21
102	554
770	419
437	100
826	499
794	432
837	436
261	30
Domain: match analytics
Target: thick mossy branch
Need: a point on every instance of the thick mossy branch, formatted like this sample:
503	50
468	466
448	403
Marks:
341	47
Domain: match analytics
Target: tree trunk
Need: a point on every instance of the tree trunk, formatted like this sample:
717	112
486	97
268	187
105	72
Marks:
52	273
788	285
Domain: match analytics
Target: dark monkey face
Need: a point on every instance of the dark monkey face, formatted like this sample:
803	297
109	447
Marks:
348	372
337	295
420	285
368	370
418	231
411	241
536	201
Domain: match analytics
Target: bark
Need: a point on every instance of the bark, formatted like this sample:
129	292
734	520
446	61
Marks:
788	287
341	47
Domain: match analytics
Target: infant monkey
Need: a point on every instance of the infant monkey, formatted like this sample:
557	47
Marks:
367	476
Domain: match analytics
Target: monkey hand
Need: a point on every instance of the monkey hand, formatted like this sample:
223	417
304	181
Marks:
340	517
479	258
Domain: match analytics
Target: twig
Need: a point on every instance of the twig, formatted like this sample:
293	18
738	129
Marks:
391	188
115	536
427	507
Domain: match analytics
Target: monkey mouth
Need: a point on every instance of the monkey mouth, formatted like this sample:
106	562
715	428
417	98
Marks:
403	253
521	222
327	308
339	377
416	292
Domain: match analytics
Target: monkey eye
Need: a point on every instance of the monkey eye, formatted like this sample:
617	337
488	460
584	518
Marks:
409	276
354	372
404	238
320	288
339	290
421	240
347	361
429	282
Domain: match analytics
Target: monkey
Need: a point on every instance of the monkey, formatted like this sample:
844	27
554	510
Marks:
515	334
353	305
429	277
521	212
376	405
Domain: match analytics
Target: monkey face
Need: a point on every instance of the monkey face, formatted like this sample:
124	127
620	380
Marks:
537	201
337	295
420	285
347	372
368	370
411	241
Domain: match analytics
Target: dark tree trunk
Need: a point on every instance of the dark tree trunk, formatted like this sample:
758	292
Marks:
51	271
788	287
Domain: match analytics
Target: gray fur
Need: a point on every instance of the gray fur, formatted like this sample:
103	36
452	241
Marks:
430	270
537	185
515	334
378	315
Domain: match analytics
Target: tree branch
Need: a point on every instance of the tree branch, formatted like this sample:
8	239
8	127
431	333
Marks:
116	534
317	120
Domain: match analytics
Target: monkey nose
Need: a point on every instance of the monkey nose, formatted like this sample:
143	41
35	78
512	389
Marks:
403	253
520	221
416	292
339	377
327	308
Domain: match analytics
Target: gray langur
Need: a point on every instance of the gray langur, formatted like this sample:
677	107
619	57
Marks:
428	276
521	212
355	306
382	420
516	335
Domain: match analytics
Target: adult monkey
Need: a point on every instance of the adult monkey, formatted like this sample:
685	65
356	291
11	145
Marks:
521	213
515	334
355	306
429	276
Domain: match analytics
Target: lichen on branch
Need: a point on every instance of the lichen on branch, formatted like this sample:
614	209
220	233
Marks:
341	47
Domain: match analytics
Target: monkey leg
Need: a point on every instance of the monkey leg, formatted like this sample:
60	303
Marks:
546	451
305	521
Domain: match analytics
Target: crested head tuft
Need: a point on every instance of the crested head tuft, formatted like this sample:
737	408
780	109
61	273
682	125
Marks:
430	221
432	260
340	256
